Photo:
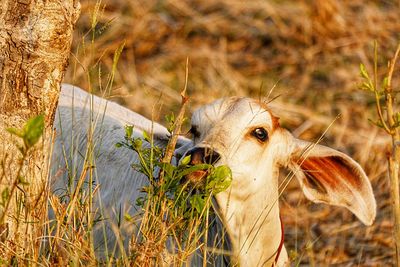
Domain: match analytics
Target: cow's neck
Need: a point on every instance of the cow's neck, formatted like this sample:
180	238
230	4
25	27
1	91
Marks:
253	223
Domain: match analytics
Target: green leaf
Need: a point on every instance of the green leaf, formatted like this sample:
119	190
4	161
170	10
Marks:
33	130
16	132
128	217
186	160
385	83
366	86
220	179
168	168
170	118
197	202
128	131
377	123
363	72
137	143
118	145
146	136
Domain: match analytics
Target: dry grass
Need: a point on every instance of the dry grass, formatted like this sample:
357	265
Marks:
311	50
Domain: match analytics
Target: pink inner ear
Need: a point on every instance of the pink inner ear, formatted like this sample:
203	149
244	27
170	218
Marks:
330	172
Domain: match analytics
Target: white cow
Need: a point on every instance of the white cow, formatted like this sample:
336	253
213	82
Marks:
238	132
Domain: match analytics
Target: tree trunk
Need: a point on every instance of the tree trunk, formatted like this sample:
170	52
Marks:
35	42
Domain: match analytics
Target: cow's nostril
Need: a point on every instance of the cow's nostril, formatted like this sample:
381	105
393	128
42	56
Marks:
200	155
196	155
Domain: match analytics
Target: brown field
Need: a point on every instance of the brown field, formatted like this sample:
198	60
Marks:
308	52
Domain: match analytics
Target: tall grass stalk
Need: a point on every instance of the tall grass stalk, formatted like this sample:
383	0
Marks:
390	123
71	232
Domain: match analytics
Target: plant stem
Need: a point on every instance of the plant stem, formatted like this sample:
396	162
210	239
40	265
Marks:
394	192
178	123
394	157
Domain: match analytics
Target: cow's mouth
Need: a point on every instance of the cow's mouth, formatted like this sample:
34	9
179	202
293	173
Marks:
197	178
201	156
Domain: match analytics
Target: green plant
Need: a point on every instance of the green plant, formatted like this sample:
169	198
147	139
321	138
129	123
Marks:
171	207
388	120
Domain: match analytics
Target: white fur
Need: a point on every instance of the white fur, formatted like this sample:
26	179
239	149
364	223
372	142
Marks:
119	183
249	208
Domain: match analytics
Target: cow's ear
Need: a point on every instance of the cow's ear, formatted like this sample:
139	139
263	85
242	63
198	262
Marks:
329	176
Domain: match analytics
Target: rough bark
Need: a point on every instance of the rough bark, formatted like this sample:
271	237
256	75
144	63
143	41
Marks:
35	41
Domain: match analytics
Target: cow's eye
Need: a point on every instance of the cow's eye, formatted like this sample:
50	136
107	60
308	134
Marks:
194	132
260	133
